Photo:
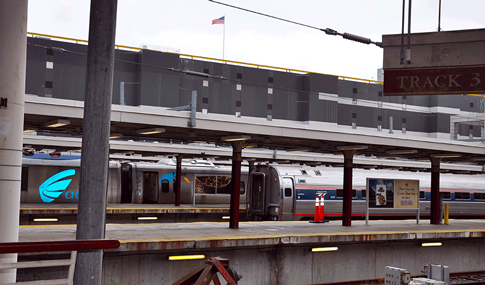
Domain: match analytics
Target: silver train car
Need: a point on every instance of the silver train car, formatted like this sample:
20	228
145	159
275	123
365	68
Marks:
278	192
55	181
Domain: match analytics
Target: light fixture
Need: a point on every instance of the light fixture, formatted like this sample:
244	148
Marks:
46	220
226	217
402	151
236	138
115	136
147	218
445	155
151	131
30	130
431	244
57	123
352	147
319	249
186	257
297	149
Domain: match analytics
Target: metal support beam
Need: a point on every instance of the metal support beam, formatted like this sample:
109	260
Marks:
236	184
435	191
347	199
192	107
13	57
178	179
91	219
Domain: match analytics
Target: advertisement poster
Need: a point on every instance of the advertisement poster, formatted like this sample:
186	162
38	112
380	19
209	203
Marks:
391	193
381	193
406	194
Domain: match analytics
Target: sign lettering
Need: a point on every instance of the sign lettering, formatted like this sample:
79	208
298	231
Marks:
434	81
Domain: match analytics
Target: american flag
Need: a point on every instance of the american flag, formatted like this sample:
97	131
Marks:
218	21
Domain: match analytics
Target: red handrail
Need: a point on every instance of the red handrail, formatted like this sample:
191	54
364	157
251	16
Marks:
68	245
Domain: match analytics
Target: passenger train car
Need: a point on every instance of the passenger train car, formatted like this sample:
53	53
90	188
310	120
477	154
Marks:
46	180
278	192
270	192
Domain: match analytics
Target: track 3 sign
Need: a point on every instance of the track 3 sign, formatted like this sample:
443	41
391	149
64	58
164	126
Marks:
434	81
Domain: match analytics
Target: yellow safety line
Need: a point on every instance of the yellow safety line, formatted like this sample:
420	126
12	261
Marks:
44	226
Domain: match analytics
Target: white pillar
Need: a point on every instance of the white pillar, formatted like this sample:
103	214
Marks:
13	54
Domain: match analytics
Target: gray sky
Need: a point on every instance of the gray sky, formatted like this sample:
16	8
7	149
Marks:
186	25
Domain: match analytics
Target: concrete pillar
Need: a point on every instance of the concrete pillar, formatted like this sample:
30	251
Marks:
347	199
236	184
13	54
91	217
178	179
435	191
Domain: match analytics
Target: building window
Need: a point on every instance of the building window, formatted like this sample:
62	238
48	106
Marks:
239	75
354	90
48	84
206	70
238	103
205	100
270	79
270	107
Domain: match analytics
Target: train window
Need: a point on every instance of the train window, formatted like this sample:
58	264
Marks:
165	186
287	192
462	195
318	173
445	195
479	196
213	185
422	195
242	191
363	193
354	193
304	172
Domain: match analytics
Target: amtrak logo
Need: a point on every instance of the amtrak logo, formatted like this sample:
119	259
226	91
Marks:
52	188
169	177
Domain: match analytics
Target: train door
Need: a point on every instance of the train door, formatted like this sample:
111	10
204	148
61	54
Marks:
126	183
150	187
288	197
256	189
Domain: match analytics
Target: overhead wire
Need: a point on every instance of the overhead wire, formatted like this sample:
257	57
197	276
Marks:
327	31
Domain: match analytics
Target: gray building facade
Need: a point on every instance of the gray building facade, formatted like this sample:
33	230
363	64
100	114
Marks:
57	69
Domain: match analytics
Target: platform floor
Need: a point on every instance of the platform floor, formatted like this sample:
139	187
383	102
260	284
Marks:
140	237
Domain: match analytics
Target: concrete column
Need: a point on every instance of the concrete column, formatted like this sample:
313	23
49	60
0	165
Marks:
178	179
236	184
13	54
435	191
347	199
91	217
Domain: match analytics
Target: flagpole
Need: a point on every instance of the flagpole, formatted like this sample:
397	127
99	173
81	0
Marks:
224	37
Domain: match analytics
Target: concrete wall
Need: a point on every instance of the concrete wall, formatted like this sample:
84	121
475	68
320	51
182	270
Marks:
292	265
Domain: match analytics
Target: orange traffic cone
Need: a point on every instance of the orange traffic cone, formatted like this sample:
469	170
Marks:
317	212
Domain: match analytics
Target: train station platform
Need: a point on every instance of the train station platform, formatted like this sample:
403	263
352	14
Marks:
281	252
210	235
